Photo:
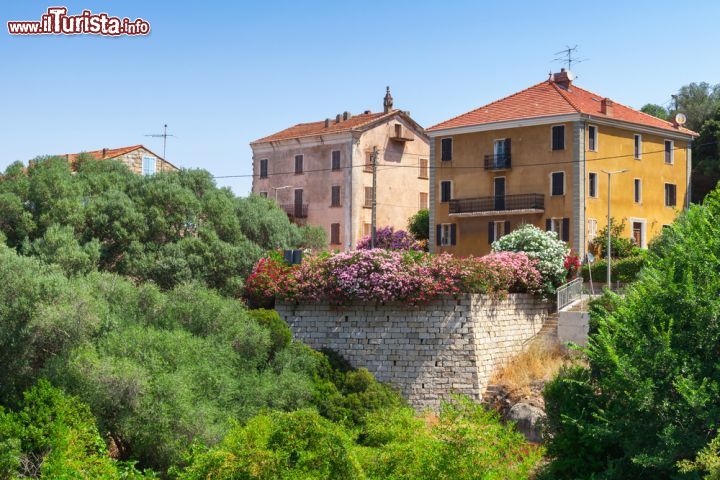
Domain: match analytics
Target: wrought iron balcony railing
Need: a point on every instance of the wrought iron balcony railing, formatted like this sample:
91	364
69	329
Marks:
498	162
295	210
504	203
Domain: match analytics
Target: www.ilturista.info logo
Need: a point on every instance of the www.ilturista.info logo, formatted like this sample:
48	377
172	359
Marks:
57	22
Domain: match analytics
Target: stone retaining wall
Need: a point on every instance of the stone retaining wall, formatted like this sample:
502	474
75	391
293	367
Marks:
428	352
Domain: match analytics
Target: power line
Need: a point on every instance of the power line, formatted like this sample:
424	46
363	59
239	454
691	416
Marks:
449	167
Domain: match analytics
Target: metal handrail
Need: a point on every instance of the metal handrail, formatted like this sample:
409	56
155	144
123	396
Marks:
500	161
568	293
526	201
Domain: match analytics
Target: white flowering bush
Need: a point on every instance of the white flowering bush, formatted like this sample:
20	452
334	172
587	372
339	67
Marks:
545	247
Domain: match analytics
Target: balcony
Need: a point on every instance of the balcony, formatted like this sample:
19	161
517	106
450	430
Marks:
498	162
401	134
498	205
296	212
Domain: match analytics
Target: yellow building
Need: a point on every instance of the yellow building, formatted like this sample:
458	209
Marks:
540	156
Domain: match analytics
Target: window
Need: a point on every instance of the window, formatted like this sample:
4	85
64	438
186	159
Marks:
446	234
335	196
149	165
558	137
669	151
670	195
557	183
263	194
368	197
592	229
638	146
561	226
446	148
335	160
335	234
263	168
637	183
638	232
422	200
497	230
368	162
298	164
592	138
423	173
593	184
445	191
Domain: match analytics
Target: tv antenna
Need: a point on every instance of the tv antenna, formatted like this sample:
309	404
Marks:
164	136
568	56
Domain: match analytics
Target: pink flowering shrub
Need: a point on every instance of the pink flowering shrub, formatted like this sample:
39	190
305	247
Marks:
390	239
410	277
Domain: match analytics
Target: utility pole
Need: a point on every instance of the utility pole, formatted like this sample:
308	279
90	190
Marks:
373	221
164	136
609	225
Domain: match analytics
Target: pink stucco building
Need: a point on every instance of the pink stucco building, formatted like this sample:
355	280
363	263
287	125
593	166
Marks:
320	172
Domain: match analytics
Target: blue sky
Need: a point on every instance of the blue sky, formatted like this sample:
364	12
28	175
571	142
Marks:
222	74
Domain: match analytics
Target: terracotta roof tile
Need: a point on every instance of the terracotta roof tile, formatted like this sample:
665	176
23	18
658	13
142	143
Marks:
548	99
318	128
104	153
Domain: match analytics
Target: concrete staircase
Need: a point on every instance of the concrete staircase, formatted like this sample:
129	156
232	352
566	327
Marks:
548	333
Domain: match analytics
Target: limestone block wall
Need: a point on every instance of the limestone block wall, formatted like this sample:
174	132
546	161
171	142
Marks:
428	352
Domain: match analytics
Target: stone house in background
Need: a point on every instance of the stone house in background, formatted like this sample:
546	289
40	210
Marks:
138	158
320	173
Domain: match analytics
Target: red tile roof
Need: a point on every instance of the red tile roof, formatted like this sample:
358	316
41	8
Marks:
548	98
105	153
318	128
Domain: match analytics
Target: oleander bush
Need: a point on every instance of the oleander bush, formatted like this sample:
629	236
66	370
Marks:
390	239
385	275
544	247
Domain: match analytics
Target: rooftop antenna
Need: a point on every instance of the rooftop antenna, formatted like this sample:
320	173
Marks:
568	56
164	136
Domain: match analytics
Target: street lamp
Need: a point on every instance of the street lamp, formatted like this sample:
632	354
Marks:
279	188
609	248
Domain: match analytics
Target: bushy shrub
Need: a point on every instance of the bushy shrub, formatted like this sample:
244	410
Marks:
649	396
621	247
545	247
419	225
280	334
263	283
390	239
54	436
465	442
384	275
282	446
623	270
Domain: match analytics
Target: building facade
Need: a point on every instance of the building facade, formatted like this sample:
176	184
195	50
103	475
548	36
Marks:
138	158
320	173
540	156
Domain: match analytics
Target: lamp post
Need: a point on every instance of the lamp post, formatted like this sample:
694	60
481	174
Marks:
609	248
279	188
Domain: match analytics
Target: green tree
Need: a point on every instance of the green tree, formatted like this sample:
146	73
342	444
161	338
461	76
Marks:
649	397
698	101
655	110
419	224
706	158
620	246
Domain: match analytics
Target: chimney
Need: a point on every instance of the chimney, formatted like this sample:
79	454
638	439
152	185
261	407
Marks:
606	107
337	118
563	78
104	152
327	122
387	101
346	116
